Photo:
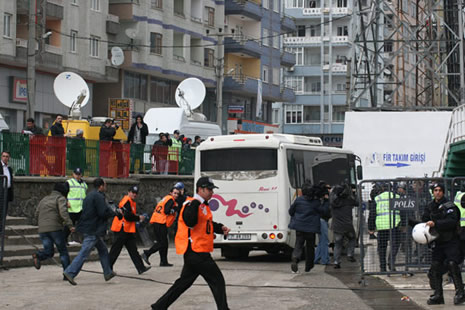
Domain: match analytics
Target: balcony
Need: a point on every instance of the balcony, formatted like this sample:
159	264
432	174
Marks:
287	94
288	24
336	68
247	8
341	11
54	9
51	58
299	41
113	26
311	12
287	59
240	83
340	40
111	74
243	45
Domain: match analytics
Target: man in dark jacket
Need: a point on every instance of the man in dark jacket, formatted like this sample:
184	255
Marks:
8	172
57	129
32	128
444	218
305	215
93	225
342	201
137	137
52	213
108	130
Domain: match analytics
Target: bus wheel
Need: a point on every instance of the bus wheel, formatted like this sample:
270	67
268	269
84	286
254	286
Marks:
234	253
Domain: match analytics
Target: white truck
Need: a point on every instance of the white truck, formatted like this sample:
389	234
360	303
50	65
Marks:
397	144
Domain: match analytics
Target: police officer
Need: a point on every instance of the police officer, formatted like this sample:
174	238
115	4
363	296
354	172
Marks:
387	223
76	195
163	217
194	240
125	230
459	201
443	217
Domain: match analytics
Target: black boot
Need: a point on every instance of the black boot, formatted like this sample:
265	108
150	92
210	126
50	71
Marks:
456	274
436	282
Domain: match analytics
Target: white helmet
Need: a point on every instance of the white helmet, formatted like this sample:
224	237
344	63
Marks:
422	235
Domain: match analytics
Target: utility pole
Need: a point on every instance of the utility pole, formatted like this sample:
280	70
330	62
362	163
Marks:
219	80
31	60
462	64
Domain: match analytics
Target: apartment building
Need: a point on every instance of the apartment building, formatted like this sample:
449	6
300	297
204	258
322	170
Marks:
78	32
253	61
322	48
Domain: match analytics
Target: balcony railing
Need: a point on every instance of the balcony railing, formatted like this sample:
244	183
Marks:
340	39
341	11
21	42
112	18
302	40
311	11
57	2
53	49
319	11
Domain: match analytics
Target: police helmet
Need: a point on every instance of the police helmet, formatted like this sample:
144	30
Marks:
422	235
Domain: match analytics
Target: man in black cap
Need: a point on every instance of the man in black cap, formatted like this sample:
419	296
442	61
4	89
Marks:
125	231
444	218
194	239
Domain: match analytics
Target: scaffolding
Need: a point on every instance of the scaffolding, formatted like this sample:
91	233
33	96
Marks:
407	54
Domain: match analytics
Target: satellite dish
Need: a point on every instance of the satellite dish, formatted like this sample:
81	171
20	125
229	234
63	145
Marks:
71	89
131	33
190	94
117	56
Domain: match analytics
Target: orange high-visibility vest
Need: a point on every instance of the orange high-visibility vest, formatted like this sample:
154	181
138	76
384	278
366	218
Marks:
159	216
200	236
129	227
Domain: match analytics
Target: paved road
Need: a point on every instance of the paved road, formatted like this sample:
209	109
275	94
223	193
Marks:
28	288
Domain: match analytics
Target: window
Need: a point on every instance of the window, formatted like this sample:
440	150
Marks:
208	57
156	40
276	6
75	2
339	113
299	55
301	31
156	4
266	4
342	31
275	116
94	46
238	159
265	73
311	114
179	7
310	4
340	87
7	25
295	83
387	46
311	166
95	5
210	12
160	91
293	113
290	4
315	87
275	39
341	3
135	85
265	37
276	76
72	41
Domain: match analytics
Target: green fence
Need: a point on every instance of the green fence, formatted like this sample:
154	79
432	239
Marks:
85	155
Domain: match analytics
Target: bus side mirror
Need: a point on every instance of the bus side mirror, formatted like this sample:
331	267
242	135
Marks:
359	173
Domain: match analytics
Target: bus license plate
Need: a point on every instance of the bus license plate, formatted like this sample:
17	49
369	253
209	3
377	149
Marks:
239	236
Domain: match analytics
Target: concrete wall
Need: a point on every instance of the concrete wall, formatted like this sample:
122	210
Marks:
30	190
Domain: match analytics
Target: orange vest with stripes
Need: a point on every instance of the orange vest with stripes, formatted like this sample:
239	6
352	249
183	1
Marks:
201	235
129	227
159	216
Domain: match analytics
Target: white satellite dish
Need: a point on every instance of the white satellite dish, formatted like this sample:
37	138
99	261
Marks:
190	94
117	56
71	89
131	33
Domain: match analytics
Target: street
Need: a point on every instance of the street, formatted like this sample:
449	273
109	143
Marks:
259	282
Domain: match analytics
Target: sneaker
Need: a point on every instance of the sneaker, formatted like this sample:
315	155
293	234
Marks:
36	261
73	243
110	276
351	259
69	278
144	270
166	265
145	258
294	267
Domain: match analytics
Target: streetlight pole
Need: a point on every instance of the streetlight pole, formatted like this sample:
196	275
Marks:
31	60
219	80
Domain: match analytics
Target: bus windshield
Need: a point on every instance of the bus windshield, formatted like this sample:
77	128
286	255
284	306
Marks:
313	166
239	159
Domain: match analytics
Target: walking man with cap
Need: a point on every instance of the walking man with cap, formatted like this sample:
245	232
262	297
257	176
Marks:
194	240
76	195
125	230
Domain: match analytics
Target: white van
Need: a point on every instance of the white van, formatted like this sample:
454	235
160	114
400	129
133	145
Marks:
169	119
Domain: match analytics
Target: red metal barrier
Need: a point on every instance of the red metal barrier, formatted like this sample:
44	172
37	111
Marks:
47	155
114	159
160	160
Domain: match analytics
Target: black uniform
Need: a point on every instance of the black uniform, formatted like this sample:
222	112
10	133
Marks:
446	248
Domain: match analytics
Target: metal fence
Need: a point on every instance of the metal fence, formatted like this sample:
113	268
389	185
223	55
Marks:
385	236
58	156
3	211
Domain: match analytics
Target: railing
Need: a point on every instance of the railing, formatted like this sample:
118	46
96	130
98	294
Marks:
58	156
302	40
242	38
311	11
21	42
53	49
57	2
113	18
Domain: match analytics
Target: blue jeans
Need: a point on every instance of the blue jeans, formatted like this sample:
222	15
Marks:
57	238
89	242
321	252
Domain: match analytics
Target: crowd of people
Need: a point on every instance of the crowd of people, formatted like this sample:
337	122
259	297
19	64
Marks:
69	209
